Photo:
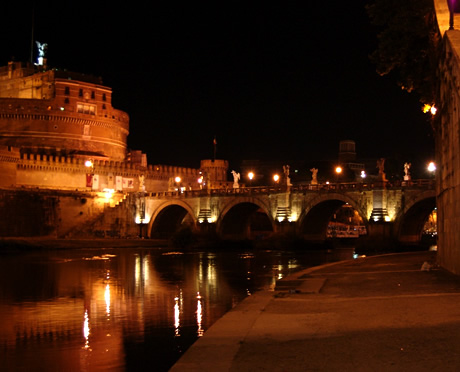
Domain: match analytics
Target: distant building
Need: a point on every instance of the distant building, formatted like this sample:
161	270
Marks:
347	158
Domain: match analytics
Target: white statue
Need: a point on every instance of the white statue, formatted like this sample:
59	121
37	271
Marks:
236	178
314	176
406	171
42	48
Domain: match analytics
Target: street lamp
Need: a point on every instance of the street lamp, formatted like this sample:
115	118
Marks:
250	176
431	168
178	180
338	171
276	178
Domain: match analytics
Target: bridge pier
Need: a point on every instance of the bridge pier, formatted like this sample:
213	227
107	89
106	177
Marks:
380	230
285	227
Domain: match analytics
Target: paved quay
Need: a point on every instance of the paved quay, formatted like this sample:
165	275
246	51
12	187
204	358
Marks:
395	312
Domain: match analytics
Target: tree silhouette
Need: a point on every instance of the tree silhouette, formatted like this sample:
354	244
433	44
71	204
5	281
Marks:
408	44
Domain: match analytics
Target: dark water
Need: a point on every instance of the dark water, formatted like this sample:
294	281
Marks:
125	309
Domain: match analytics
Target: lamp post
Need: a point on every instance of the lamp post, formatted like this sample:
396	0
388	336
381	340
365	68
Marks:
276	178
250	176
178	180
431	168
338	171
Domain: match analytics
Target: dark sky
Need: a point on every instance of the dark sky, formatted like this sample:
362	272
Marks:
271	80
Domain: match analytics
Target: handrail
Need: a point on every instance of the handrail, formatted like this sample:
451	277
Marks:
428	184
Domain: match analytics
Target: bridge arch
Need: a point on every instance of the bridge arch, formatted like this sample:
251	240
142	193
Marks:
409	222
314	220
168	218
245	218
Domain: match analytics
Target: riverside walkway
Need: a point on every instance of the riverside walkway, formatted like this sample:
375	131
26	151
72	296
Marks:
395	312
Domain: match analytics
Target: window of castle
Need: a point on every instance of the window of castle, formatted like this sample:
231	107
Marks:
67	91
84	108
93	95
80	93
104	98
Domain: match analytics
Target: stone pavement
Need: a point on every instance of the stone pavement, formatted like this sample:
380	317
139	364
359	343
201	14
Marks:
395	312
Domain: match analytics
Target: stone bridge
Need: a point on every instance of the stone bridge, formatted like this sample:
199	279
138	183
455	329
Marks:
397	210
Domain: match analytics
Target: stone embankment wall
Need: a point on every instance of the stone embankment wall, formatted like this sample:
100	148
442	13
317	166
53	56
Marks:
60	214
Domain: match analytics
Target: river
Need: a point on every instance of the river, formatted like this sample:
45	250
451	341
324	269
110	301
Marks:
126	309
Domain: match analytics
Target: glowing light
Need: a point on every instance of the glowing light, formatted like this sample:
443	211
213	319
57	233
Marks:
250	176
431	166
144	220
107	299
387	219
86	330
276	178
176	316
88	164
137	271
338	170
363	174
108	193
177	179
199	315
429	108
293	217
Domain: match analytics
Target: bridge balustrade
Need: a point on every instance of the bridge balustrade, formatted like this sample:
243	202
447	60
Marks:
264	190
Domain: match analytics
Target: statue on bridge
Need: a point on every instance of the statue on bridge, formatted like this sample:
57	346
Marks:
236	178
406	171
381	166
286	174
314	176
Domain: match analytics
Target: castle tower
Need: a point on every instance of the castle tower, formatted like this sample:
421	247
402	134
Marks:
58	112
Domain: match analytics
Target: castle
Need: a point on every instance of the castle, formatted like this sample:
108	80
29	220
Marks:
59	130
65	164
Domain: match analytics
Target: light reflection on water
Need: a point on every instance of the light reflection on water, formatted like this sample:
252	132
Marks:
125	309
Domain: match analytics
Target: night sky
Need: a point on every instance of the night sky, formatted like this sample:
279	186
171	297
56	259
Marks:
281	81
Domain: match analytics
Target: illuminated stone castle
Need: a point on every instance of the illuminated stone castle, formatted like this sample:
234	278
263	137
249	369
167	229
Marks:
65	167
59	130
59	113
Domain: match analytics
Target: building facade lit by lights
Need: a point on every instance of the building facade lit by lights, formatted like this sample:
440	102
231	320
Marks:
53	122
64	158
60	113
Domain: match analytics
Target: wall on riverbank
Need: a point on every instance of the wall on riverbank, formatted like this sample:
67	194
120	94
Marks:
58	214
